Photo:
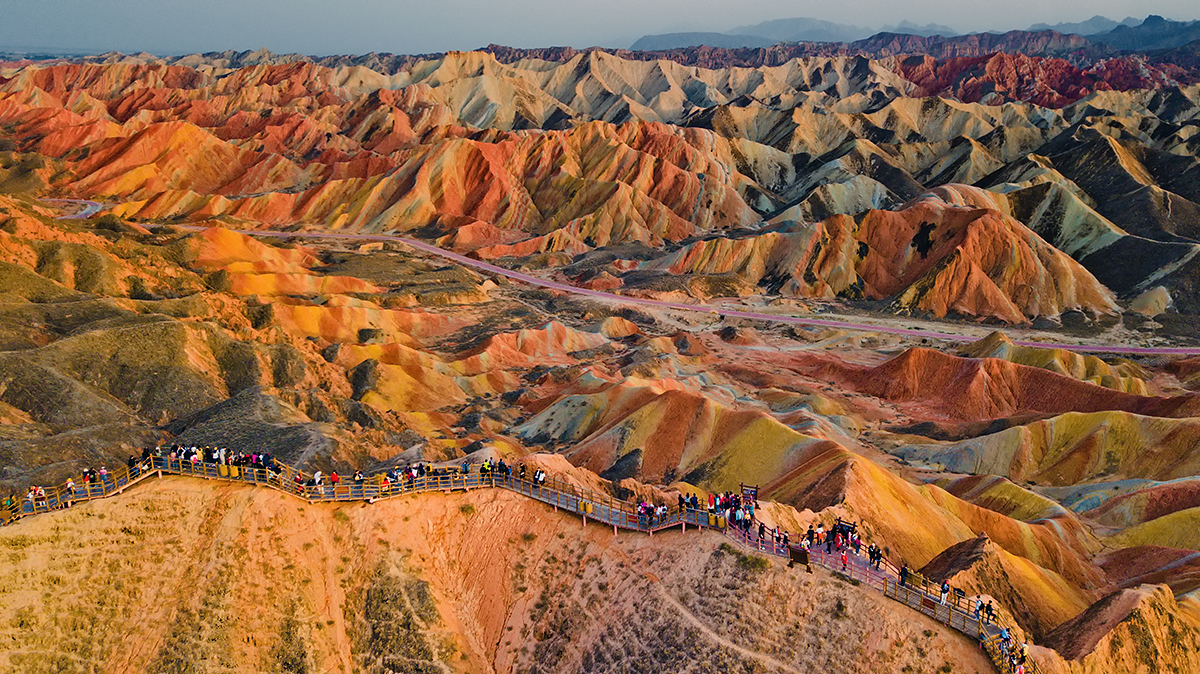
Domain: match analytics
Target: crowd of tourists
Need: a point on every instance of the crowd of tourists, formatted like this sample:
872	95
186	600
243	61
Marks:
651	514
738	511
1015	657
406	476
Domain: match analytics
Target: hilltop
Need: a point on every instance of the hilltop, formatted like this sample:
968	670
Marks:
482	582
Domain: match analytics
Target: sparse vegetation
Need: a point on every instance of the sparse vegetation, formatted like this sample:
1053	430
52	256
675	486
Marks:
745	562
392	624
290	652
839	609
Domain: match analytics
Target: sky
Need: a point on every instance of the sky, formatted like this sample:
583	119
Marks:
320	27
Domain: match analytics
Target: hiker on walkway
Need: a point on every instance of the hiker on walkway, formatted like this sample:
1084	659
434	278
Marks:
978	607
844	560
989	613
945	591
904	574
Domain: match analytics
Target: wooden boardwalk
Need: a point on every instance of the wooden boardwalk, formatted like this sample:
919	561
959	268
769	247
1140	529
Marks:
598	509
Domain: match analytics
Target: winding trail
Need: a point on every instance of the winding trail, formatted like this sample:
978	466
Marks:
712	636
730	313
92	207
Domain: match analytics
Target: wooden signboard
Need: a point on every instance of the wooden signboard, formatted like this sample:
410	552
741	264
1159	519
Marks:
798	556
750	493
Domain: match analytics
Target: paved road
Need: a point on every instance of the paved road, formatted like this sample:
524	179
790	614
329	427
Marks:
93	207
90	208
638	301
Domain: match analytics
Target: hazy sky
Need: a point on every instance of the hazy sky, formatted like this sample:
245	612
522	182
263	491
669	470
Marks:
405	26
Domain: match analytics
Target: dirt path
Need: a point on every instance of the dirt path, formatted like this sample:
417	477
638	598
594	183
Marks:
713	636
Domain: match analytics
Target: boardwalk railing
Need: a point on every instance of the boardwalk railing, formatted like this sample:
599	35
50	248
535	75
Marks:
917	592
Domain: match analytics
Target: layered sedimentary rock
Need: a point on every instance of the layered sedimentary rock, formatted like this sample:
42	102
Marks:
931	193
525	158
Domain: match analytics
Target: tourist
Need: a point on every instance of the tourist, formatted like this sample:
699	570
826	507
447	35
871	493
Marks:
945	591
978	607
904	574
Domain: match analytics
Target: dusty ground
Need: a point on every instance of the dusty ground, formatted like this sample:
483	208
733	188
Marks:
181	575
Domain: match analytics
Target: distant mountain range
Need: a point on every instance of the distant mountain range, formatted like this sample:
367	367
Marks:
1096	24
1153	33
800	29
1129	34
683	40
